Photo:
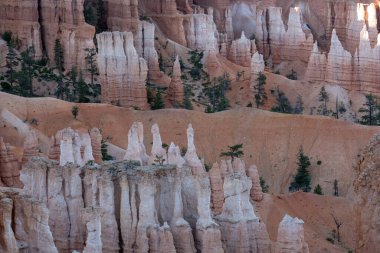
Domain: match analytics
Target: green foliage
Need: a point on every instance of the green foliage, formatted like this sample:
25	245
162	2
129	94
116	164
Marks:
7	37
75	111
104	150
260	94
82	90
207	167
319	162
292	75
160	160
91	63
186	99
318	190
216	92
370	110
234	151
158	102
336	190
282	103
95	14
324	98
58	55
196	60
329	239
302	179
12	63
264	186
298	108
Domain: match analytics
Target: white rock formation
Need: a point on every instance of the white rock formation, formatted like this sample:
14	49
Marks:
136	148
290	236
157	150
191	156
91	217
174	156
122	72
240	51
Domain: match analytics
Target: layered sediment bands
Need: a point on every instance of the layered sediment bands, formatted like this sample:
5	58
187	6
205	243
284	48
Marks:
30	146
290	236
144	41
289	44
122	73
241	230
367	197
122	15
316	68
240	51
256	190
64	20
9	166
22	19
176	89
96	144
24	224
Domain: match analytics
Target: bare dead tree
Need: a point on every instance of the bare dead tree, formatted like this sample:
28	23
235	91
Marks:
338	224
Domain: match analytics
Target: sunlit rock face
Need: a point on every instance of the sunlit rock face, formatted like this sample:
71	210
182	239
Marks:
9	166
122	72
290	236
176	88
64	21
22	19
70	146
122	15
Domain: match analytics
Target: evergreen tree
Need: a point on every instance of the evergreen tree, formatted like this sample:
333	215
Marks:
264	186
158	102
369	110
234	151
282	103
58	55
302	179
324	98
27	71
75	111
336	193
260	94
91	63
82	90
101	24
186	99
12	62
318	190
216	93
298	108
73	76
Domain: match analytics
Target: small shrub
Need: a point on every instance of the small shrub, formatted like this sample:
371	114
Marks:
318	190
207	167
319	162
75	111
329	239
264	185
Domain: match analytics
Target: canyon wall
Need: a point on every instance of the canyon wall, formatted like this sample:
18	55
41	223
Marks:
122	72
159	208
367	197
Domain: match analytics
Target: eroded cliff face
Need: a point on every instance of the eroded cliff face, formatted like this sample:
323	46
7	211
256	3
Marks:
9	166
125	206
122	72
367	197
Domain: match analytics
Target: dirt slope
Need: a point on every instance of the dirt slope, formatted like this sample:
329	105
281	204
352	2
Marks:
270	140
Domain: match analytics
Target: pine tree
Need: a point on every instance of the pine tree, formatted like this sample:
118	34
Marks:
282	103
27	71
12	61
324	98
82	90
91	62
158	102
298	108
318	190
336	193
302	179
260	94
264	186
58	55
186	99
370	109
234	151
